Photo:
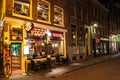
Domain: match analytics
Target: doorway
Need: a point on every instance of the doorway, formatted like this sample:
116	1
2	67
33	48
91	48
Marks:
15	57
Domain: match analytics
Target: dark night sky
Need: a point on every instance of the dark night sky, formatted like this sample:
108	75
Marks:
107	1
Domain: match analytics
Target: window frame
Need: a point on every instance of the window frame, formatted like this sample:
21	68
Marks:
22	16
16	26
62	22
49	10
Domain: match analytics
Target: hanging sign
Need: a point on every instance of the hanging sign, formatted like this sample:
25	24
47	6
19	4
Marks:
28	26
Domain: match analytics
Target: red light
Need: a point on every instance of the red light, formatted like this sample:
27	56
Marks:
97	41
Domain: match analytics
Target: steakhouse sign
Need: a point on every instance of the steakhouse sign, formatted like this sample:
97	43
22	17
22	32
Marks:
37	33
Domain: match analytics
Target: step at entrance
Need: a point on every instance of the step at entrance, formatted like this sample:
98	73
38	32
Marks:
16	65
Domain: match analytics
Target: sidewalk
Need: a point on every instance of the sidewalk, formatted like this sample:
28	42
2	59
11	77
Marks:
60	70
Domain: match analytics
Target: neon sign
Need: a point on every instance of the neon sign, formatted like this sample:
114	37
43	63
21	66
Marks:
37	33
57	35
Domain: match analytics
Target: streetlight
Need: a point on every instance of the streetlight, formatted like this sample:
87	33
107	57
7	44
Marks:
93	29
95	25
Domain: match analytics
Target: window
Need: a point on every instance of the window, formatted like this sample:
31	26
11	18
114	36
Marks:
73	10
37	43
57	42
92	9
43	11
79	10
85	11
73	35
16	33
22	8
58	16
96	12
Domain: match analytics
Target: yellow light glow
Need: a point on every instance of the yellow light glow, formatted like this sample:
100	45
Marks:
16	26
95	24
42	44
6	39
56	45
14	37
25	41
74	36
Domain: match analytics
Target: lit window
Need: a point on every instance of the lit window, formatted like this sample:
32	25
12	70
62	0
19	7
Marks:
58	16
22	8
73	37
43	11
16	33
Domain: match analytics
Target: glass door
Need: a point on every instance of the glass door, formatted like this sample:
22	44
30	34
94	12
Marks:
15	50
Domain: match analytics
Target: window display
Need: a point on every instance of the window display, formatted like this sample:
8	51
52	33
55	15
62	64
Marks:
16	33
105	47
22	7
40	45
43	10
97	48
37	43
101	48
37	48
57	47
57	43
58	15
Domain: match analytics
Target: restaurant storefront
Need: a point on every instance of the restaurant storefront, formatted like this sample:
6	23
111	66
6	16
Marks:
29	40
40	42
100	47
113	45
32	33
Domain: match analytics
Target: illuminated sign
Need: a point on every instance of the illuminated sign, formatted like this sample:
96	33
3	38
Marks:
57	35
37	33
26	50
28	26
97	40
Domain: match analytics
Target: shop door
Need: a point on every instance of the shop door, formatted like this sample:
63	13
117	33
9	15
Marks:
15	57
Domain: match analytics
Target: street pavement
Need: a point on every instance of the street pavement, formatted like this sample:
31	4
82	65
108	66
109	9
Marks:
48	74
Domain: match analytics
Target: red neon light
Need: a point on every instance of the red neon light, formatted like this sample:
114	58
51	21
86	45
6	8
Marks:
37	33
97	40
57	35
